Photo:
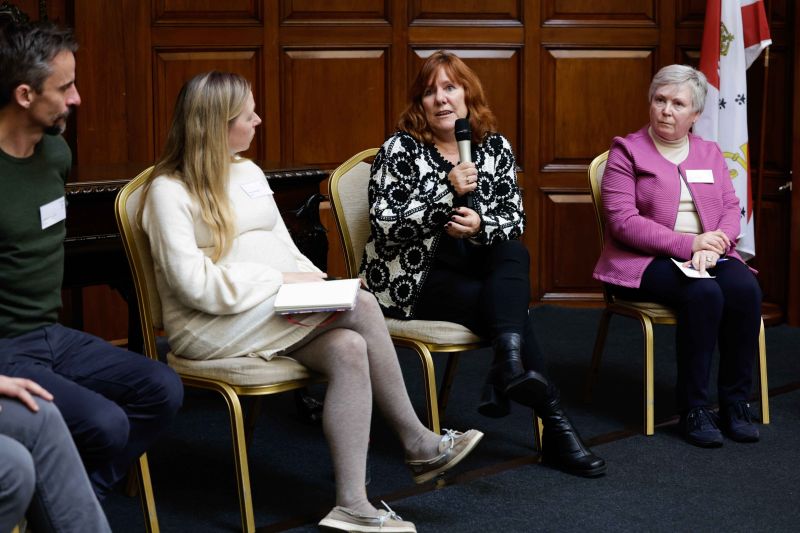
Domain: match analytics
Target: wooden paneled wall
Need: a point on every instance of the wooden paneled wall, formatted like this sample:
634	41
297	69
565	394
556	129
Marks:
330	78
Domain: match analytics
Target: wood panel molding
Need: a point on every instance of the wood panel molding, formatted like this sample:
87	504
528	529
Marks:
690	13
585	103
207	12
334	103
352	12
772	254
600	13
465	13
778	150
569	230
174	67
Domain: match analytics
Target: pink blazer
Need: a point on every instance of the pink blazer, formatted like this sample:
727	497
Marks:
641	192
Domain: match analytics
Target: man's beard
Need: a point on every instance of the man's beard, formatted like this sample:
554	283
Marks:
60	124
55	129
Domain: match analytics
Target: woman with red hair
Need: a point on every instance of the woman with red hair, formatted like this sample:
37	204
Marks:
444	244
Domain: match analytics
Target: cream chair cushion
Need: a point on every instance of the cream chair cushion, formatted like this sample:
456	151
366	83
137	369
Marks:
431	331
242	371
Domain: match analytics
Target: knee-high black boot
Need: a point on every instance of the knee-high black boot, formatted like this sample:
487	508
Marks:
562	446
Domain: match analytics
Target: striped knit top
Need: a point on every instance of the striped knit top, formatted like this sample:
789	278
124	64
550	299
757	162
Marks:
641	192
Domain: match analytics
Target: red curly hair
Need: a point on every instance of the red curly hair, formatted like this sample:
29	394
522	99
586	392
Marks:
481	119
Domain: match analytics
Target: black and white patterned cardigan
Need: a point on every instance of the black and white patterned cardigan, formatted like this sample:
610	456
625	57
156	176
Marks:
410	201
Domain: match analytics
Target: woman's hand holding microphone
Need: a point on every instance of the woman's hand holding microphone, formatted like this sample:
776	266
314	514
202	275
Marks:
464	178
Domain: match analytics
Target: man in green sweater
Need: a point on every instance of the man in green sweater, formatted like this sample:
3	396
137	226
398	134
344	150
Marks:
115	403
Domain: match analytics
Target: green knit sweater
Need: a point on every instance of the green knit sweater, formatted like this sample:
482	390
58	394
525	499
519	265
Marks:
31	258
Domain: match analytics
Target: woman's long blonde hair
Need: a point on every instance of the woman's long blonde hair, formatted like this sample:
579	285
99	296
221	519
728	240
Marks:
197	151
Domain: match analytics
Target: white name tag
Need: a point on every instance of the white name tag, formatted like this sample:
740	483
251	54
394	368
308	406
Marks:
257	189
53	212
700	176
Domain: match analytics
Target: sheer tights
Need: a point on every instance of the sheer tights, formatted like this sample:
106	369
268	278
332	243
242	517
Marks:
356	353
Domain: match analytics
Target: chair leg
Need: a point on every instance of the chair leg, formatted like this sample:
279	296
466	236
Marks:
251	418
429	377
762	374
649	385
597	354
146	493
240	458
538	427
447	380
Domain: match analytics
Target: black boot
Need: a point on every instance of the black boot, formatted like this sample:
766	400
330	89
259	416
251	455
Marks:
562	447
527	388
494	403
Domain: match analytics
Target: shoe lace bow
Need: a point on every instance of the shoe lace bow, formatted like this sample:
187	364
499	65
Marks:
449	439
390	515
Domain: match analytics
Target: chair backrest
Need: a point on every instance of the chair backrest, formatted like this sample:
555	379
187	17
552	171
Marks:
137	248
348	186
596	170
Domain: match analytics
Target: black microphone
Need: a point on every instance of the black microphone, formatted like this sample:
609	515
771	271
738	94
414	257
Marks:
464	140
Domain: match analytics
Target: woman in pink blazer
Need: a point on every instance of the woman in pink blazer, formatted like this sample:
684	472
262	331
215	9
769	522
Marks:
667	194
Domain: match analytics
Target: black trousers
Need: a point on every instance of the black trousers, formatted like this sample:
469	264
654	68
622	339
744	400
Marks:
488	292
725	310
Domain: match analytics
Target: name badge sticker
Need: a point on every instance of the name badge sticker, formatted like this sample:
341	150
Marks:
257	189
53	212
703	175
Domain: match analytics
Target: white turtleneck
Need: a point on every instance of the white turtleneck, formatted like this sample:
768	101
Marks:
676	152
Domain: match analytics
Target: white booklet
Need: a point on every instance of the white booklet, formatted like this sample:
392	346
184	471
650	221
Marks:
689	271
317	296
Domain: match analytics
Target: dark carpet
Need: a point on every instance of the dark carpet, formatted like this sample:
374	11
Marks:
656	483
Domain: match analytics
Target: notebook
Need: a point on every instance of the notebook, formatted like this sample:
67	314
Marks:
317	296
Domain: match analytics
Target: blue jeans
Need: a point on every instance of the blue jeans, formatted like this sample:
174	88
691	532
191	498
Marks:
116	403
41	473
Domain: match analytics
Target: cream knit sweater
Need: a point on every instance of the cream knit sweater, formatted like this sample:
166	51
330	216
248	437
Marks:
223	309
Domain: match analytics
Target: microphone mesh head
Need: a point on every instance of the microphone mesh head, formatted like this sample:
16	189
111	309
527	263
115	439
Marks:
463	131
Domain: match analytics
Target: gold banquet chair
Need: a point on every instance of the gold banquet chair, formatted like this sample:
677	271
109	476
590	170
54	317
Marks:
348	193
232	378
648	314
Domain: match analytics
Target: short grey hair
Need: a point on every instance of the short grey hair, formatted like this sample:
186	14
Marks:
682	75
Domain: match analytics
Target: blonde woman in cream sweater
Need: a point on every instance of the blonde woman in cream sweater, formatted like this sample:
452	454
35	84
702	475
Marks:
221	251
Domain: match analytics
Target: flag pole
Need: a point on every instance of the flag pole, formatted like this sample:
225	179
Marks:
762	135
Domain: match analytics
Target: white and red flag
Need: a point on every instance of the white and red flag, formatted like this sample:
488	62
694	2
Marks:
735	33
